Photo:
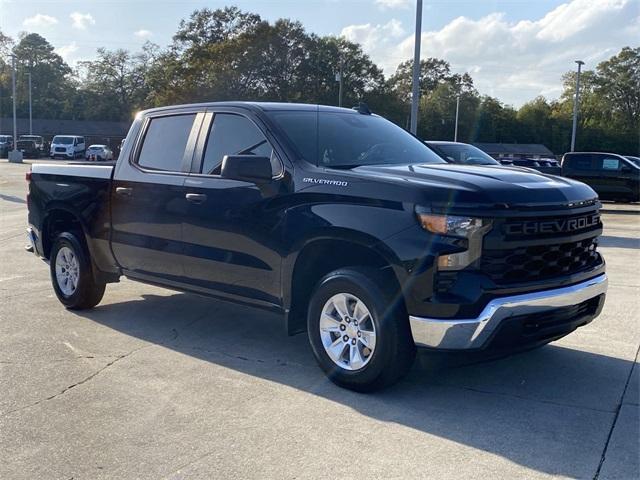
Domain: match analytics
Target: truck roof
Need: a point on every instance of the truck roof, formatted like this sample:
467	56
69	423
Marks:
263	106
590	153
445	142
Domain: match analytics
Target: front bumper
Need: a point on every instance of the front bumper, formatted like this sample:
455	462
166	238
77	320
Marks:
62	154
476	333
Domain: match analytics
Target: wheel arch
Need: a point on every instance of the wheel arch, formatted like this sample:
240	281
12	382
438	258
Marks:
323	254
58	220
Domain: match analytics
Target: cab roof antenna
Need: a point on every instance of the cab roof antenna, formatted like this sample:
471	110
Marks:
362	108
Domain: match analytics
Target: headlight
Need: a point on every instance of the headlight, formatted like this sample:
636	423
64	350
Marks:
450	224
470	228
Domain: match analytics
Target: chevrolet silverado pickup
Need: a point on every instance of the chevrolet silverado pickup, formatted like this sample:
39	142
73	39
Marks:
350	227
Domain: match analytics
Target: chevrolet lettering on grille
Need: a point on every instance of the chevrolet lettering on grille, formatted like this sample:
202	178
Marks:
553	226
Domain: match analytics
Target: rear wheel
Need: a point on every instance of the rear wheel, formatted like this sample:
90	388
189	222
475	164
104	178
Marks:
72	275
359	331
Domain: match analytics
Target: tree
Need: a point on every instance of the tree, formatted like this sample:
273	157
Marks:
433	72
618	83
536	123
609	114
438	114
229	54
53	87
6	45
361	77
495	122
115	82
206	27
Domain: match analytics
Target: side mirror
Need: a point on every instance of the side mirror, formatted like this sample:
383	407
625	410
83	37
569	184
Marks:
248	168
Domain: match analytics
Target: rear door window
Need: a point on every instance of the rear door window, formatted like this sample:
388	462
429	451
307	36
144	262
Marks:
232	134
609	163
165	142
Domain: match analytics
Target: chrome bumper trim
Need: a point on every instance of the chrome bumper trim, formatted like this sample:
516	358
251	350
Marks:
31	236
471	333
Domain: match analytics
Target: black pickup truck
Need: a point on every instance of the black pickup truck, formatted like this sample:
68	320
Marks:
346	224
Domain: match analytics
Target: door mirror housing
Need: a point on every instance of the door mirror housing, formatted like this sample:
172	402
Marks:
247	168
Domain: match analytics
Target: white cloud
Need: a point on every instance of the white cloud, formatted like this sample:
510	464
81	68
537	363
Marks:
39	20
67	51
516	61
82	20
143	33
380	39
391	4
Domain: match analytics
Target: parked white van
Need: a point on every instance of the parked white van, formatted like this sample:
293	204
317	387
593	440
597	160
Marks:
67	146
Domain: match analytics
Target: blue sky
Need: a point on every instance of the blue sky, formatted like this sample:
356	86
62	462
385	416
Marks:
514	49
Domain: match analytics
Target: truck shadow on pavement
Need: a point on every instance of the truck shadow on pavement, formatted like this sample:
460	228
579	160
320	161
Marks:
549	409
12	198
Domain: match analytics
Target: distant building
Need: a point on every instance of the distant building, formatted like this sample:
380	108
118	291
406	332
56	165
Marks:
108	133
516	150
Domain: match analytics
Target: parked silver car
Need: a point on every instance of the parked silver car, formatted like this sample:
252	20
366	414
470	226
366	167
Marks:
100	153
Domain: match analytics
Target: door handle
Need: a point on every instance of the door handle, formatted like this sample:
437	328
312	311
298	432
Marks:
124	191
196	197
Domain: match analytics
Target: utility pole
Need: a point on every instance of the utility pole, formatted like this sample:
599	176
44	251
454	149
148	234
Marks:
30	116
415	89
455	132
13	87
576	101
15	155
340	77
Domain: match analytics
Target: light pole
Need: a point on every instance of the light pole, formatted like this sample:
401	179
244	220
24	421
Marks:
415	88
455	132
30	116
340	76
576	101
15	155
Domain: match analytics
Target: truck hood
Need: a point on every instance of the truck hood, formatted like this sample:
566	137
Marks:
484	184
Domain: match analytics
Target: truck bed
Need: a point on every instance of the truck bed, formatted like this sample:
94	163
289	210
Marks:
81	189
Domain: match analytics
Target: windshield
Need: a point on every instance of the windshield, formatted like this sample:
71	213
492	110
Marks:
62	140
346	140
462	153
634	160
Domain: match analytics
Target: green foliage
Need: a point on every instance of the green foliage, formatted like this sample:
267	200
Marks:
229	54
52	84
114	83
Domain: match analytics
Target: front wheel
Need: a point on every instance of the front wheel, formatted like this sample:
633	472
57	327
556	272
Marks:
72	275
359	331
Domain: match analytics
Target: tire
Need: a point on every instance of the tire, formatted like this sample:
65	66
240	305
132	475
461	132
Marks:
80	291
393	349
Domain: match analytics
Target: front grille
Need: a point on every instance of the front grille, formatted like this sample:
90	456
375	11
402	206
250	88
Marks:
539	262
61	149
550	226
